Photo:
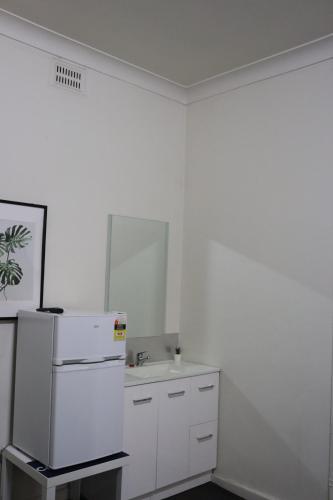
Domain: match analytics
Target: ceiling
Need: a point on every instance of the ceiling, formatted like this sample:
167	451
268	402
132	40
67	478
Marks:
185	41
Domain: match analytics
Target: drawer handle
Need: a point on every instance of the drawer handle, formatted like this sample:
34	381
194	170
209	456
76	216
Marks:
176	394
206	387
142	401
204	438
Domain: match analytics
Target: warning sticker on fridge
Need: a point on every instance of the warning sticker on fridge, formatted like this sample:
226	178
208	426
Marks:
119	332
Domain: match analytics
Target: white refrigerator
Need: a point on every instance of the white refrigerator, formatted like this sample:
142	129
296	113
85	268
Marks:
69	386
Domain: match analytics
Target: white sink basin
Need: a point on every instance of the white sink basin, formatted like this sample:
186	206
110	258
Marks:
153	370
166	370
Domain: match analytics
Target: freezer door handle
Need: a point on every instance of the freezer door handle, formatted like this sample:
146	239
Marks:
96	359
73	361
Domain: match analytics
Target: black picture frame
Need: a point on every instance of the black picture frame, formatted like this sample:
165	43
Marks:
22	256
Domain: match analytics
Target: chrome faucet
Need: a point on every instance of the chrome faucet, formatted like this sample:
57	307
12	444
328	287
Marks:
141	357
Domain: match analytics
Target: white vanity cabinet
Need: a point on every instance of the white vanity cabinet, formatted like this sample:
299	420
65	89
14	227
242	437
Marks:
170	432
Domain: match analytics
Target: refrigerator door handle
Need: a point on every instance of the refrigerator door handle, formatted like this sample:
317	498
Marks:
114	358
87	361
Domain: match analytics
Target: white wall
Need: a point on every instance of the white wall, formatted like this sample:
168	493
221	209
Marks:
118	149
258	269
257	291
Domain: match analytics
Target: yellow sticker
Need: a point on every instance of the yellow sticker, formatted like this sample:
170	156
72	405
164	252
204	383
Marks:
119	334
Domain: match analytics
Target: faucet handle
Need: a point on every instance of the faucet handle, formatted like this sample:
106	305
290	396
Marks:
141	355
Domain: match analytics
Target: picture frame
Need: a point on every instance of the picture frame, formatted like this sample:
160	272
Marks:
22	256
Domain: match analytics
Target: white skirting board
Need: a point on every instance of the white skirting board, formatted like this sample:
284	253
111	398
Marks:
239	489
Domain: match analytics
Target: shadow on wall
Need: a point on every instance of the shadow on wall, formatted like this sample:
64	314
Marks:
248	438
271	335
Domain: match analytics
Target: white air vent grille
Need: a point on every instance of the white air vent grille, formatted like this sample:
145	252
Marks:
68	76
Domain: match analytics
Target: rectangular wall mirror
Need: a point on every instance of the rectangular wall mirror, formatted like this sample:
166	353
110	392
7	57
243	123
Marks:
137	273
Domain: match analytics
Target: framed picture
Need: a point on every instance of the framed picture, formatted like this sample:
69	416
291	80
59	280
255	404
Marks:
22	255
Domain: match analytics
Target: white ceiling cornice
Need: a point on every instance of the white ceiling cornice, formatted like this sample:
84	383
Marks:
36	36
52	43
291	60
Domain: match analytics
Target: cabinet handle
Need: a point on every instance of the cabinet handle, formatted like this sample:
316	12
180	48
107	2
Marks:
206	387
203	438
176	394
142	401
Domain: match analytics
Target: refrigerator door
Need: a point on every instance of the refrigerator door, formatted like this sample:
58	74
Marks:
86	337
87	412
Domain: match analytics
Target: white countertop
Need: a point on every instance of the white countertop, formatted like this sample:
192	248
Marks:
165	370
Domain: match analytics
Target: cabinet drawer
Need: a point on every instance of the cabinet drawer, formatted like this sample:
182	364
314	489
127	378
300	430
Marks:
203	442
204	398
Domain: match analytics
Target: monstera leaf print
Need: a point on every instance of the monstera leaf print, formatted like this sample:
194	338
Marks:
13	239
3	245
10	273
17	237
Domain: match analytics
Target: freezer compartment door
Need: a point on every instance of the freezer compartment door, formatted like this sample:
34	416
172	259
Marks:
86	337
87	412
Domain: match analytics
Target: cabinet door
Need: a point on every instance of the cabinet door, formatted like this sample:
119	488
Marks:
204	398
173	432
140	439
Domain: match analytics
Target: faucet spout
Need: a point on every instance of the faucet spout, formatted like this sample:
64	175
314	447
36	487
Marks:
141	357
